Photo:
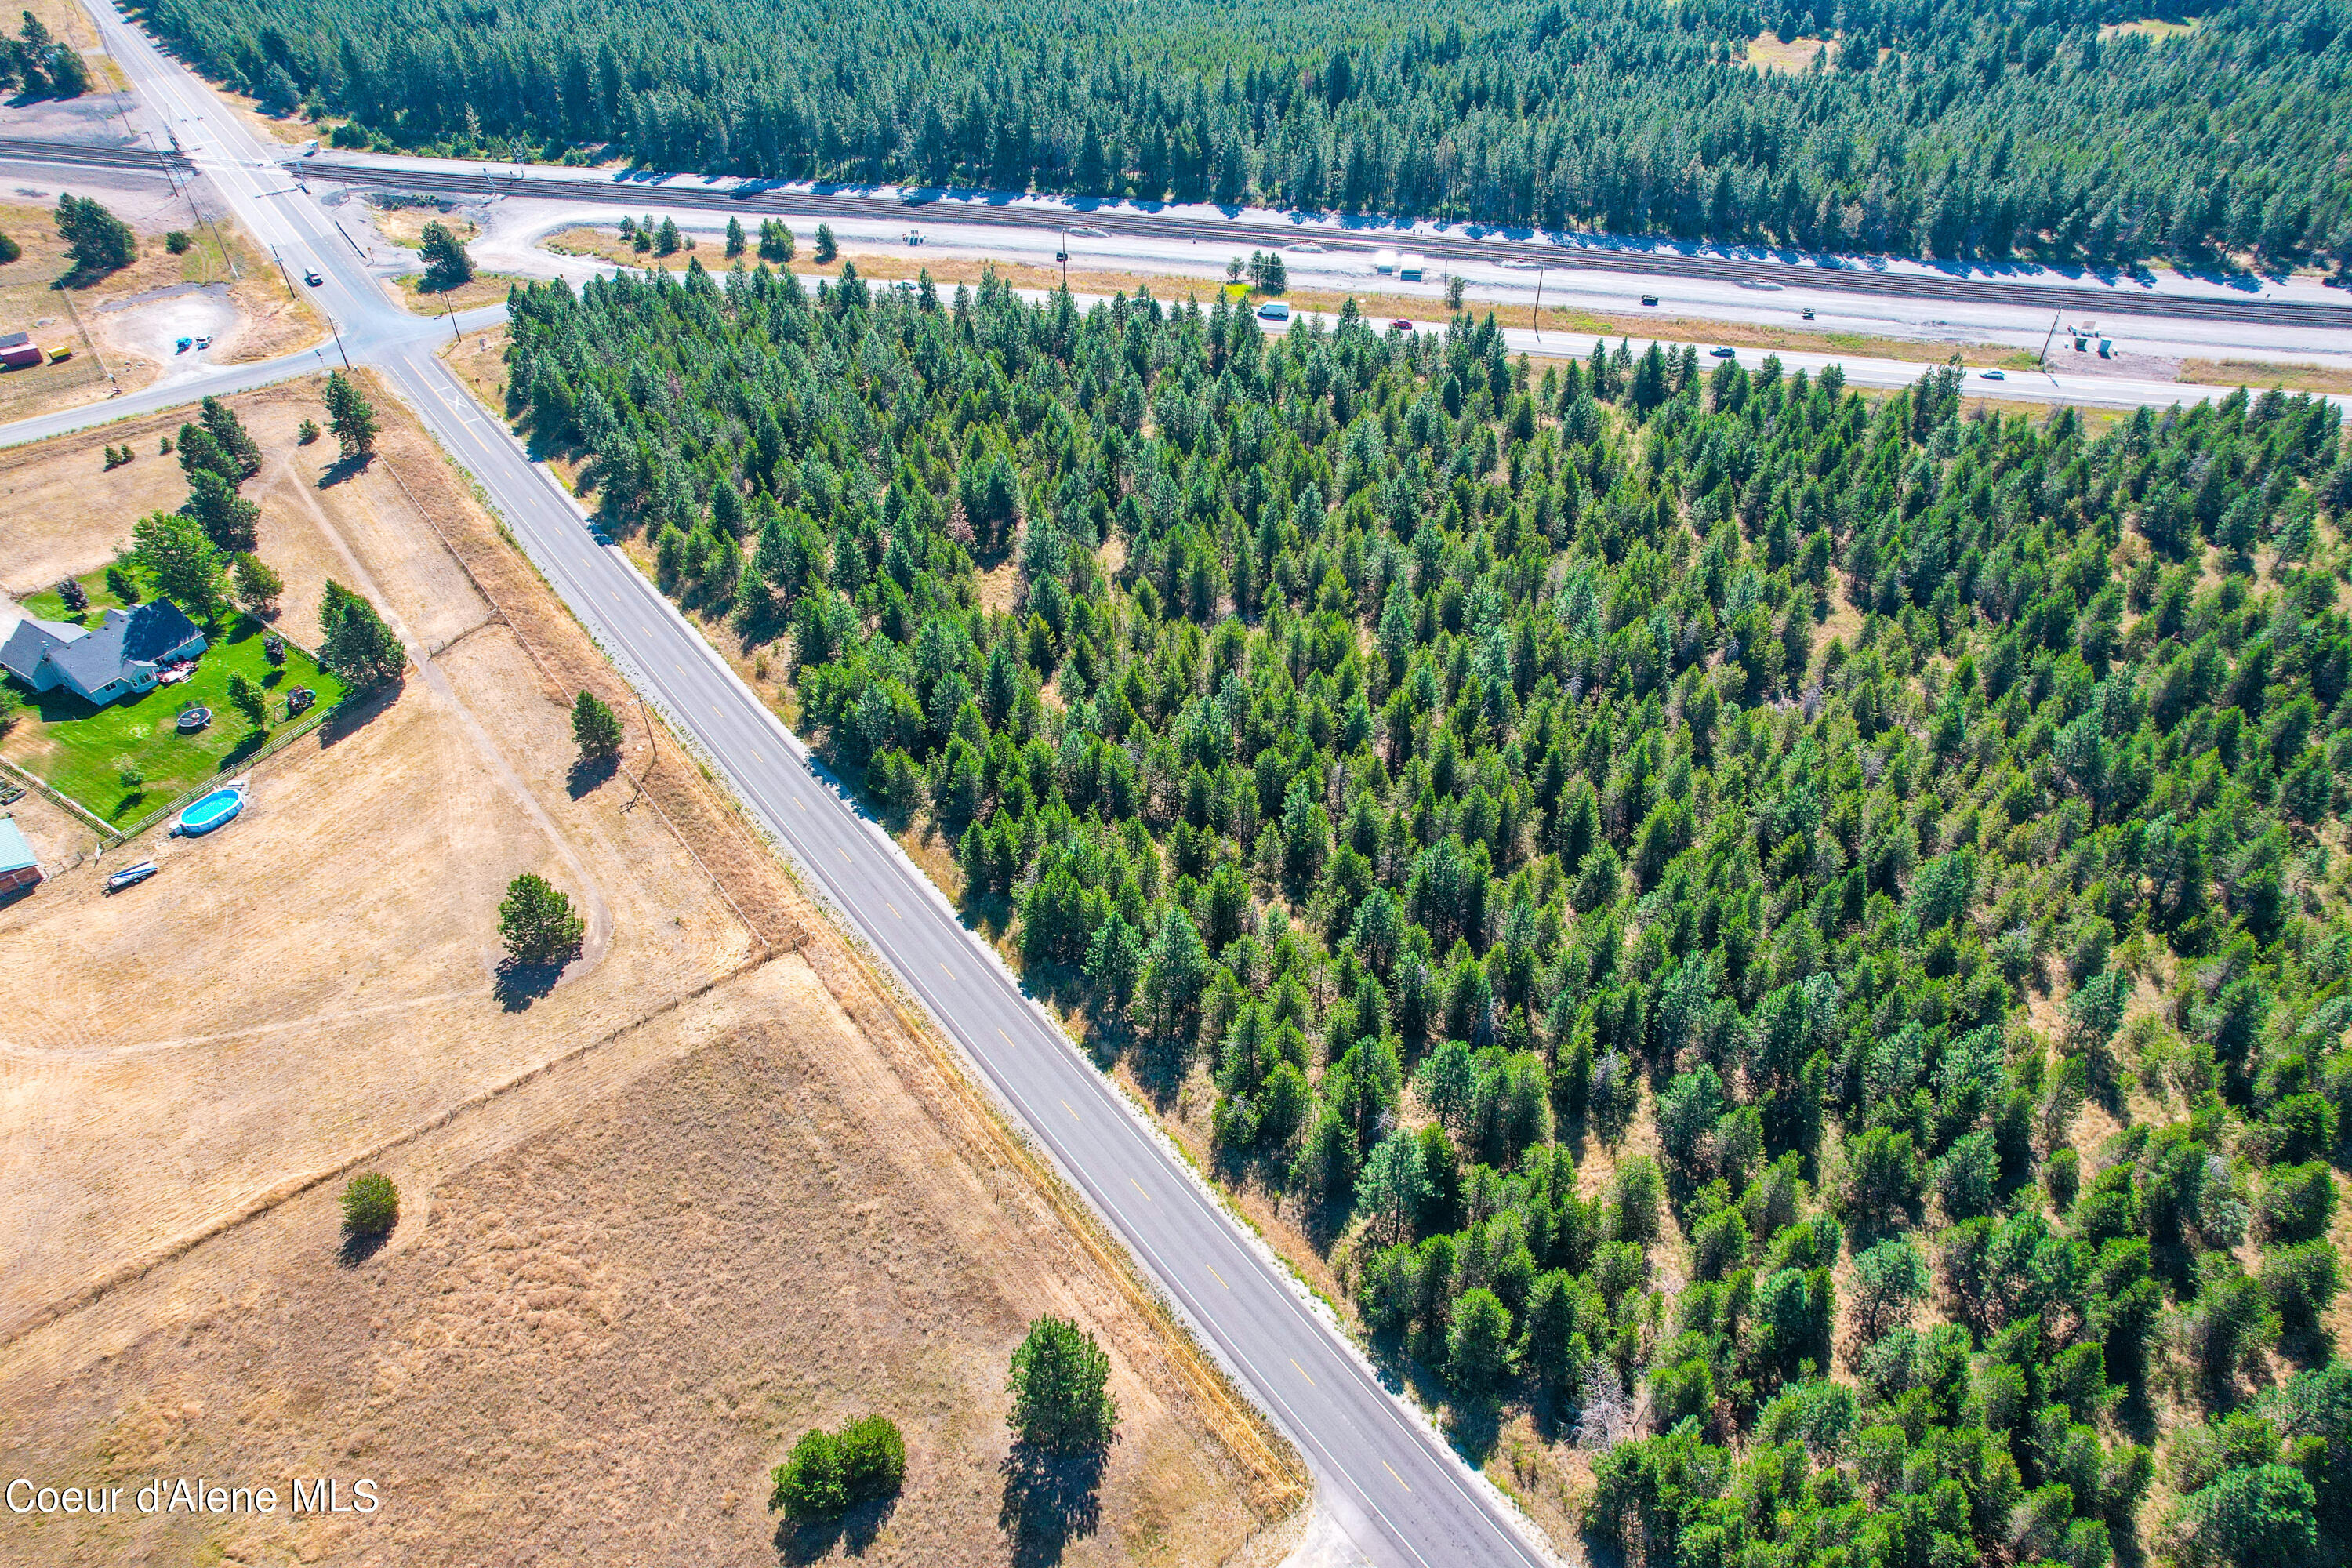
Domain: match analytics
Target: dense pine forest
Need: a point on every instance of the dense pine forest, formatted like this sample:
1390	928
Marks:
1940	127
1801	937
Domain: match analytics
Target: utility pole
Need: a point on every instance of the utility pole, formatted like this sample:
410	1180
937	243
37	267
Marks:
1540	272
2046	339
283	273
339	341
454	335
1061	255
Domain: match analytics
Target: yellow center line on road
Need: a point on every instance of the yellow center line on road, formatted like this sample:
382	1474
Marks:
1005	1038
946	971
1394	1477
801	804
893	909
844	855
1139	1187
1310	1383
1215	1275
1074	1115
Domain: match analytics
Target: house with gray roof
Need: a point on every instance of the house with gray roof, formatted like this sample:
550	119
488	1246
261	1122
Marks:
123	654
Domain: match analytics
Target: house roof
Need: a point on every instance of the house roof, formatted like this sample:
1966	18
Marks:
92	657
29	638
14	853
148	633
13	339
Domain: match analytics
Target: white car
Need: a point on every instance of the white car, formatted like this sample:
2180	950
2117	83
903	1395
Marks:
1086	231
913	236
1273	311
1521	264
1994	374
1305	248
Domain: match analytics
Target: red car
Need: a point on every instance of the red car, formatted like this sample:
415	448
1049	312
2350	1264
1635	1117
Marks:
1400	325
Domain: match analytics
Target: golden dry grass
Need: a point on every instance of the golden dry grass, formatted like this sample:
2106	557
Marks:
2263	374
707	1191
1766	52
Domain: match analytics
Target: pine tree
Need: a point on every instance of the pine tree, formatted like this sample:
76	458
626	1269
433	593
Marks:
350	416
97	240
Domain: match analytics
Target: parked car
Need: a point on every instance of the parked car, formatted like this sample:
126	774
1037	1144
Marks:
130	876
183	347
1273	311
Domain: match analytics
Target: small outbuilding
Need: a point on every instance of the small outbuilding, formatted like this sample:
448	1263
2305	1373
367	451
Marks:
18	869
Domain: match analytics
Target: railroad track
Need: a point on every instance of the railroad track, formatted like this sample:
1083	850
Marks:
753	197
145	159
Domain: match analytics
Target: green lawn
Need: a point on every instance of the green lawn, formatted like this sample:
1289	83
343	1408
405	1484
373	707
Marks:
49	607
83	751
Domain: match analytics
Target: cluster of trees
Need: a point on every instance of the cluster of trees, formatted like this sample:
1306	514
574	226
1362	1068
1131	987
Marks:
1462	765
1930	127
36	65
827	1472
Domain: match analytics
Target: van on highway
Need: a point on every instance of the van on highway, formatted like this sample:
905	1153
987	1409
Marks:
1273	311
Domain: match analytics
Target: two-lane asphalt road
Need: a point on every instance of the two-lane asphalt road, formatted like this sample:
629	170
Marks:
1392	1484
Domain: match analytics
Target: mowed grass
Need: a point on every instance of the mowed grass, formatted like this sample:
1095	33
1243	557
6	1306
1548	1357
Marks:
83	752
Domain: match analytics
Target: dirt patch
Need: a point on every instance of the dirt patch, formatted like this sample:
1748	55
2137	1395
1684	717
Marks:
483	289
124	328
1767	52
621	1203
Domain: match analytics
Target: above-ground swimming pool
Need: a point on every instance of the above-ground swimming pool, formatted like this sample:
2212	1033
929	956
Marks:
210	811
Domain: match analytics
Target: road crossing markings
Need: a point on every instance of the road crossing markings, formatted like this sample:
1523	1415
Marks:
1310	1383
1215	1275
1394	1477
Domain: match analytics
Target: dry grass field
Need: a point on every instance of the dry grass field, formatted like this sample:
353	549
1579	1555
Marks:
705	1191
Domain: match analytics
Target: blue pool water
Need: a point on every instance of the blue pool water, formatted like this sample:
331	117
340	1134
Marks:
211	811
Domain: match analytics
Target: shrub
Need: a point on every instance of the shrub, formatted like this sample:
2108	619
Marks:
873	1458
371	1205
2301	1282
178	241
245	695
76	597
537	921
1061	1398
9	250
808	1484
307	432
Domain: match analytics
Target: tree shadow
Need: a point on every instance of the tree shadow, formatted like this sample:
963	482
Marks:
519	984
812	1540
358	1248
343	469
1049	1500
355	711
588	773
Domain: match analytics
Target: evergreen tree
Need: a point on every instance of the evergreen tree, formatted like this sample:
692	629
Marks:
96	241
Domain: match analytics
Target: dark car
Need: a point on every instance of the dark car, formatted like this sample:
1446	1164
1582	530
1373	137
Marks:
1724	353
312	278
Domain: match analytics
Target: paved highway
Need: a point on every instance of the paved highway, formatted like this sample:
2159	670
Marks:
2044	291
1398	1491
